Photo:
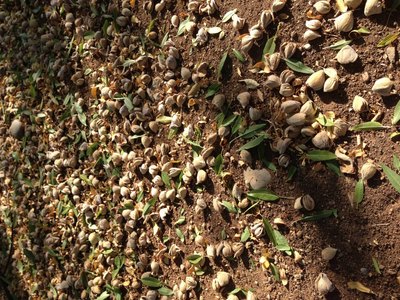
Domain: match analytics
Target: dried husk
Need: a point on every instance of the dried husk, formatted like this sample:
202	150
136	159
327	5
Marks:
344	22
368	171
328	253
372	7
316	81
346	55
383	86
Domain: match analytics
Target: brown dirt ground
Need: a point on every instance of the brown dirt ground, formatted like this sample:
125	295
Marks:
371	230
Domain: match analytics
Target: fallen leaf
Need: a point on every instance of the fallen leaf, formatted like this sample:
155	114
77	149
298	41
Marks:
356	285
251	84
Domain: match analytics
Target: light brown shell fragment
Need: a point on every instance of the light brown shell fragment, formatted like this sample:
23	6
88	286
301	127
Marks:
316	80
344	22
372	7
328	253
368	171
257	179
383	86
323	285
346	55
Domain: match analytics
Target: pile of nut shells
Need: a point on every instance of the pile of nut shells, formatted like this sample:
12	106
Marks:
112	158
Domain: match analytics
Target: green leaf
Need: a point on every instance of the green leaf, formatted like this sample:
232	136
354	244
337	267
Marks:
165	178
320	155
372	125
181	28
104	295
230	207
212	89
396	162
275	272
245	235
281	243
375	264
229	120
180	221
298	66
236	125
221	65
333	165
387	40
165	291
148	206
218	164
238	55
393	177
228	15
164	40
151	282
180	235
253	143
262	194
269	47
292	170
237	291
323	214
396	114
395	4
194	259
339	44
252	131
270	231
359	192
361	30
29	254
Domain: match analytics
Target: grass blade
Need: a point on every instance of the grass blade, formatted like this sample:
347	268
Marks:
323	214
320	155
396	115
221	65
298	66
393	177
359	192
367	126
262	195
253	143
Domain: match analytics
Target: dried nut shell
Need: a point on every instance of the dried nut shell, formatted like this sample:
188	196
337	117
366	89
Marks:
286	90
297	204
297	119
288	49
323	7
237	22
323	285
331	72
223	278
353	4
255	114
218	100
309	109
266	18
257	179
322	140
308	131
244	99
340	127
290	106
313	24
277	5
307	202
246	43
328	253
201	176
368	171
360	105
287	76
273	82
273	61
17	129
316	80
372	7
310	35
346	55
331	84
344	22
383	86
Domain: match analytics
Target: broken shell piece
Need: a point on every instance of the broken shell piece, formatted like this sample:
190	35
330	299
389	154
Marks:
323	7
310	35
321	140
344	22
328	253
273	82
201	176
353	4
305	201
223	279
257	179
323	284
218	100
383	86
237	22
309	109
368	171
372	7
316	80
346	55
288	49
360	105
290	106
246	43
272	61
